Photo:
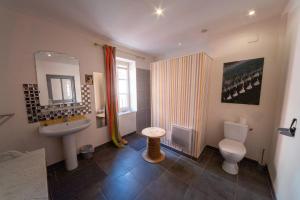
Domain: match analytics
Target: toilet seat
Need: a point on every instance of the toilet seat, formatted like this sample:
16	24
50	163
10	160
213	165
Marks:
232	146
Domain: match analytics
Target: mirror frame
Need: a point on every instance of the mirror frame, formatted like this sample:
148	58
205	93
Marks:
58	102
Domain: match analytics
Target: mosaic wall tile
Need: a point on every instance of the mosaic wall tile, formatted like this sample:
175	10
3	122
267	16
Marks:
36	112
32	102
86	99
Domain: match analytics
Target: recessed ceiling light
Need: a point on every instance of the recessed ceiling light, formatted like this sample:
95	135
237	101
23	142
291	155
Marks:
251	12
159	11
49	54
179	43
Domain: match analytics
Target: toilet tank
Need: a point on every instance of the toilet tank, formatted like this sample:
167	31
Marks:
235	131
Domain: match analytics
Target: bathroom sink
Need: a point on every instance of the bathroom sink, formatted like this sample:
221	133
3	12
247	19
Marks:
63	129
66	131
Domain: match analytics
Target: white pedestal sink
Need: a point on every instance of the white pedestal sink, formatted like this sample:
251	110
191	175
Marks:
66	131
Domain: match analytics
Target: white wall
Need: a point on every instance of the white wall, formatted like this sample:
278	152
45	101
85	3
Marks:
20	37
285	163
234	46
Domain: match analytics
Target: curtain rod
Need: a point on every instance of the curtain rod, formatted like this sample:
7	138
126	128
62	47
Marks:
140	57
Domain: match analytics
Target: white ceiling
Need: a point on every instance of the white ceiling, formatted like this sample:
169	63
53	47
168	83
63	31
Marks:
133	24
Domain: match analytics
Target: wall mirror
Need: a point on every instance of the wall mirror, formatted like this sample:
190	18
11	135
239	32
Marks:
58	78
100	99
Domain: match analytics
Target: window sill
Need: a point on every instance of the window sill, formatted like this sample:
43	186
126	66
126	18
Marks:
126	113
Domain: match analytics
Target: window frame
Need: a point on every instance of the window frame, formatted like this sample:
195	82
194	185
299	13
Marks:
49	77
126	66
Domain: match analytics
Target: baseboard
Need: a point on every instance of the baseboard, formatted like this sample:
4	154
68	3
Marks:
179	152
246	158
187	155
97	148
128	134
206	146
62	162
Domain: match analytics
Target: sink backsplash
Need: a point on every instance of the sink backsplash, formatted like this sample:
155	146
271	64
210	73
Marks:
36	112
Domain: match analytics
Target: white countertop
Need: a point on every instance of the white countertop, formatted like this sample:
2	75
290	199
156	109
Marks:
24	177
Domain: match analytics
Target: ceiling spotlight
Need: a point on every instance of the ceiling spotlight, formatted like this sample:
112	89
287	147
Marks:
49	54
179	43
251	12
159	11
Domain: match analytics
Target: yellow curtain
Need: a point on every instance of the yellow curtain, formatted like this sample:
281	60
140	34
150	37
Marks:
179	88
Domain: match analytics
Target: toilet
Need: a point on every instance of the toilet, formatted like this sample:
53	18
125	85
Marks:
232	146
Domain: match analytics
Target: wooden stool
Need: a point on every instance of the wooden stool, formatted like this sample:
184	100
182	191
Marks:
153	154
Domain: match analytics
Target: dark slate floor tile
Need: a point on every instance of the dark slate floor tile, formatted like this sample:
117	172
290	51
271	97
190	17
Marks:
214	166
253	177
56	167
185	169
73	181
214	187
133	160
66	196
113	168
205	156
118	163
195	194
167	187
146	195
170	159
256	184
136	141
93	192
125	187
248	194
112	153
51	183
146	172
249	168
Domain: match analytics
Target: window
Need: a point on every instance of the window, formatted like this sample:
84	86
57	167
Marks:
61	89
126	85
123	86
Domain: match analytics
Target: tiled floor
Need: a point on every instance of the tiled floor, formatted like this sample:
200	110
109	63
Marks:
120	174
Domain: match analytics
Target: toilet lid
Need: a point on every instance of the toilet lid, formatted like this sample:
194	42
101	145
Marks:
232	146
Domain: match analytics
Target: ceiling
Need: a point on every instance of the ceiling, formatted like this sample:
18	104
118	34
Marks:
133	23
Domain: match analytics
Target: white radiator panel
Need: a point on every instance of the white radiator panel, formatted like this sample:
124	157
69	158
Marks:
182	138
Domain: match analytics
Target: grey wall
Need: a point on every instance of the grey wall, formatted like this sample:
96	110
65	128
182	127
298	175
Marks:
143	115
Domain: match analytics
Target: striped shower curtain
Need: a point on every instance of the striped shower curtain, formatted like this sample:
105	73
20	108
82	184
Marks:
179	89
112	97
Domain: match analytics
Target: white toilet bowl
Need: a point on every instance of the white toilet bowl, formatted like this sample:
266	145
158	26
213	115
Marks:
232	146
232	152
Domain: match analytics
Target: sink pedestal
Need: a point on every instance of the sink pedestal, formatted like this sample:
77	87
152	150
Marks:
70	153
67	131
